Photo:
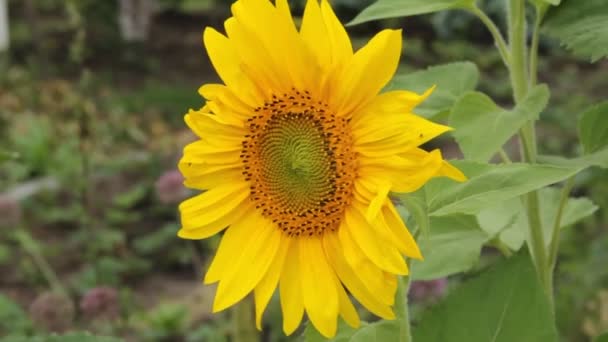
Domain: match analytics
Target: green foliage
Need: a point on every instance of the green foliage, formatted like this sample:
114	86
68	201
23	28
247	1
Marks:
505	303
580	26
488	185
481	127
508	222
453	246
593	128
451	81
69	337
602	338
383	9
12	318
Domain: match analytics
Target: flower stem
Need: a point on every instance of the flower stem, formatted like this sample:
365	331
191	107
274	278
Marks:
243	320
498	38
554	244
401	308
33	249
519	82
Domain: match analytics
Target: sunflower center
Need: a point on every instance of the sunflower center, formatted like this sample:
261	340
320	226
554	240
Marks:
299	160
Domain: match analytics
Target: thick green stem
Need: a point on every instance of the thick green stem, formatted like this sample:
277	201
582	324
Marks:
498	38
244	323
402	310
517	44
519	82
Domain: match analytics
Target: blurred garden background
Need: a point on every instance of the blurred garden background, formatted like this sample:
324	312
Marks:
92	97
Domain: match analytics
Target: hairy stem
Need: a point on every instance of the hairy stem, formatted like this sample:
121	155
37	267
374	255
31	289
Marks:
498	38
401	308
519	82
244	323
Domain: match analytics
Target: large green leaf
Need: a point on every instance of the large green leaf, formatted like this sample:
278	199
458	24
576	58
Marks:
489	185
383	9
593	127
580	26
481	127
453	246
508	221
451	81
504	304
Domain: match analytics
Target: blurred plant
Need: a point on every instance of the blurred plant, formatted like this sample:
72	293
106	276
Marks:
170	187
428	290
13	320
52	312
101	303
10	212
596	320
165	322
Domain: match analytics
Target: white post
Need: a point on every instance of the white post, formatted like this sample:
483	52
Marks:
4	38
135	17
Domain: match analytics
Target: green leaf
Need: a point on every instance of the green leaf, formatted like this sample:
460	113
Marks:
546	2
580	26
383	9
481	128
453	246
416	204
452	81
601	338
489	185
514	235
12	318
504	304
593	128
380	331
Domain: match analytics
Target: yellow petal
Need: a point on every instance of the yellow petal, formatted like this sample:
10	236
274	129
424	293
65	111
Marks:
380	197
347	310
216	226
290	288
265	288
351	280
406	172
212	205
403	239
227	105
232	242
448	170
226	62
366	270
367	72
339	42
319	287
215	131
249	264
386	257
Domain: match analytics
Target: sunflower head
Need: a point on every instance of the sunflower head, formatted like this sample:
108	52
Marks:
297	154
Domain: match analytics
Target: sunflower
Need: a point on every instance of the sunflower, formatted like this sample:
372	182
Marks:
298	152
